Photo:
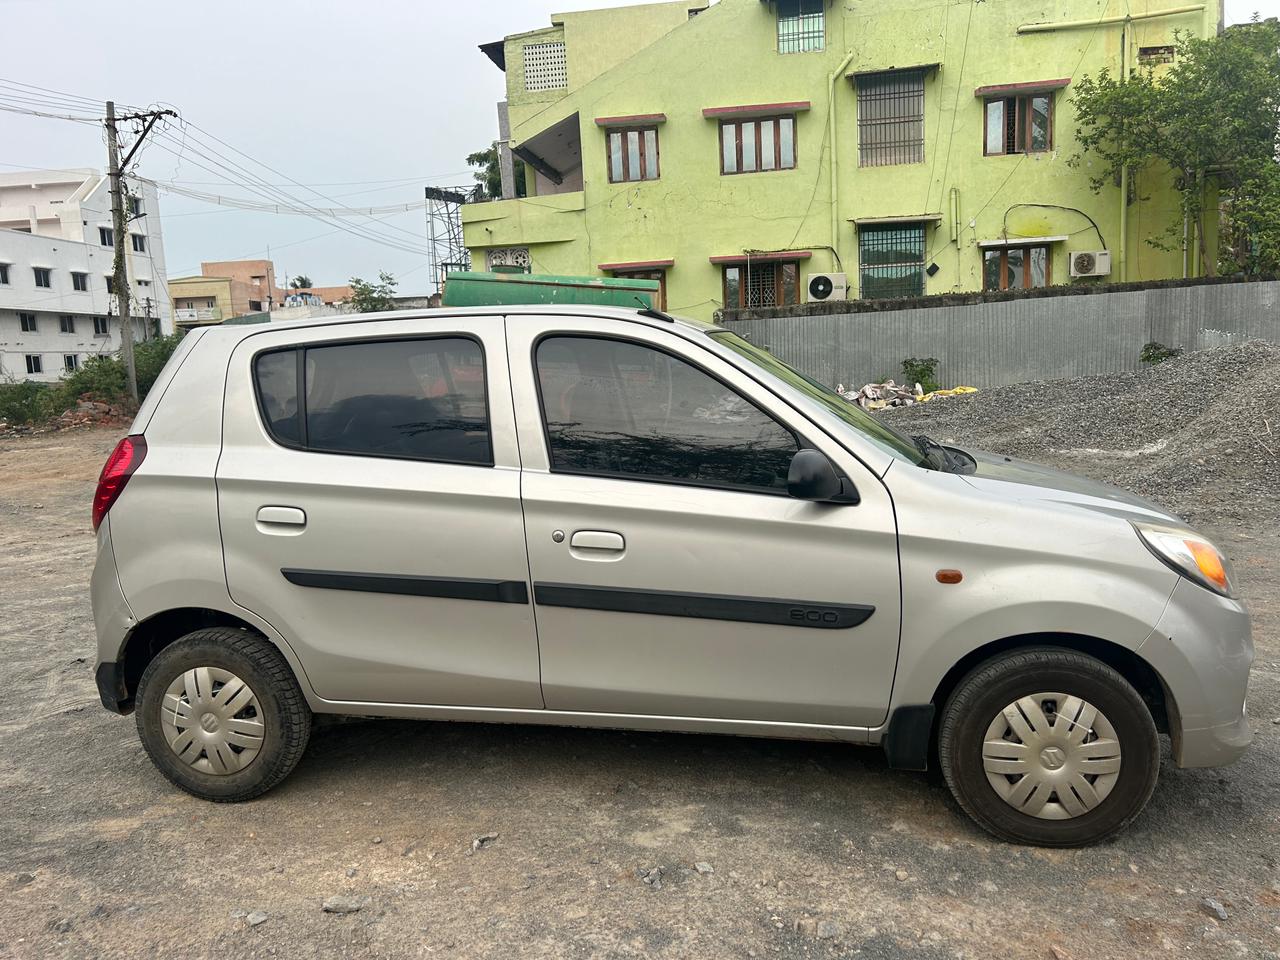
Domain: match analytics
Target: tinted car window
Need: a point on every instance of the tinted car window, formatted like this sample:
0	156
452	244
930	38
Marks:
622	409
277	377
406	399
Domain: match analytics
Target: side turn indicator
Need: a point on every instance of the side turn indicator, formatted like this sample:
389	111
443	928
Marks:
949	576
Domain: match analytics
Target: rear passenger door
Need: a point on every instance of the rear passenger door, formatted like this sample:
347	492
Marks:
369	500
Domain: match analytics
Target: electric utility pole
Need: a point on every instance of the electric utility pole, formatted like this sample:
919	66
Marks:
115	171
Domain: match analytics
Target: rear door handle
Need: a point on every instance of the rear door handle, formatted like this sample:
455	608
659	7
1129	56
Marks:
598	540
282	516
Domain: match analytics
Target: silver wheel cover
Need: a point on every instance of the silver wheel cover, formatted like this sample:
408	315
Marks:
1052	756
212	720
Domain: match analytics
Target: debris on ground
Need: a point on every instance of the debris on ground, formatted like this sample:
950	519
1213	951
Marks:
256	918
704	868
1198	434
1214	908
878	396
652	876
482	841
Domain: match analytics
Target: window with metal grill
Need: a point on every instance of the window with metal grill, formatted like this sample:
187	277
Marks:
1018	125
544	66
891	118
751	146
891	261
762	284
633	154
801	26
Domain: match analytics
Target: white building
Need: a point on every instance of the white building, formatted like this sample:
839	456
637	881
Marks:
56	266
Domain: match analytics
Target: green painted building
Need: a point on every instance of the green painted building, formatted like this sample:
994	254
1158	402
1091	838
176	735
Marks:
736	151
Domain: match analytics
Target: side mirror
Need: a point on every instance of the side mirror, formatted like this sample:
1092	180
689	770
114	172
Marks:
813	477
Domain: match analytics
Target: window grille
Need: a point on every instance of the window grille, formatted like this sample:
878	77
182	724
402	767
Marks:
544	66
891	261
801	25
891	118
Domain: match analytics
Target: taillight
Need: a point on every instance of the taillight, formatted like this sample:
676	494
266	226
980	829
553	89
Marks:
124	460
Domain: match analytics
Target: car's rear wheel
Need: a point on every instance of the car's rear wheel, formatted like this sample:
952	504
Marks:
1048	746
221	714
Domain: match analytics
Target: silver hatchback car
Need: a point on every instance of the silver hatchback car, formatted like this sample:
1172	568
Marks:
610	518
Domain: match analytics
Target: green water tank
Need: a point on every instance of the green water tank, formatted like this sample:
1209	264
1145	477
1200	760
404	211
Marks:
467	289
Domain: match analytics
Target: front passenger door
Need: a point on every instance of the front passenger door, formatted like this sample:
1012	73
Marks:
672	573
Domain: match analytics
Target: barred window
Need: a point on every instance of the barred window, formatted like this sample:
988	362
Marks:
891	118
891	261
801	25
544	66
768	284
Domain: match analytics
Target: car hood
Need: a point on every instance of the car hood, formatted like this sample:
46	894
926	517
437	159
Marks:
1039	482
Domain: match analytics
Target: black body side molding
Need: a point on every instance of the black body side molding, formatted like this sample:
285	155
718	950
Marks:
451	588
704	606
906	742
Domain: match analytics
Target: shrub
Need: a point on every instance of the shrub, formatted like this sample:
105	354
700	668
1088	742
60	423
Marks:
1155	352
20	401
922	370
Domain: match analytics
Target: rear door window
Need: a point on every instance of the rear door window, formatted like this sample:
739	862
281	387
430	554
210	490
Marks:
622	409
421	399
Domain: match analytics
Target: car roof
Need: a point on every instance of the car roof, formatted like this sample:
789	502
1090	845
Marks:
651	318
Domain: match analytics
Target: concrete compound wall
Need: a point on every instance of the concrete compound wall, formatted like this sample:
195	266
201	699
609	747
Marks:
989	344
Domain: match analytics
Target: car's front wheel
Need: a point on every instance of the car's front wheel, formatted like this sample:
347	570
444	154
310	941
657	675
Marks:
221	714
1048	746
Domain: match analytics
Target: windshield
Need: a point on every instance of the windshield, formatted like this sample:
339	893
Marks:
887	439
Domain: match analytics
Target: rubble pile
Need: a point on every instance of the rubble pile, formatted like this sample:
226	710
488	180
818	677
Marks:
878	396
94	413
1199	434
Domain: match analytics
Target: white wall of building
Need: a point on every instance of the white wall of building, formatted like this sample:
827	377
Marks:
50	220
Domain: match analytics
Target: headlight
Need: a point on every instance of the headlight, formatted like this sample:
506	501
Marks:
1189	554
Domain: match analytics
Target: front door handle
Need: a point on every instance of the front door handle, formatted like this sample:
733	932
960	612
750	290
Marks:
282	516
598	540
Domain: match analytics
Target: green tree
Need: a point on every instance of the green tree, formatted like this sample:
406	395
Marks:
1207	123
489	175
373	297
300	282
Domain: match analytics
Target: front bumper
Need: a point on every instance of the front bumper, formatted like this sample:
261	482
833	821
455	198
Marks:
1202	649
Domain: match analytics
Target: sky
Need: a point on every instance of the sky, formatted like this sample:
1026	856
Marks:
361	104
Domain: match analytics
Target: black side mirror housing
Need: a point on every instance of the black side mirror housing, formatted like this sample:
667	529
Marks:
812	476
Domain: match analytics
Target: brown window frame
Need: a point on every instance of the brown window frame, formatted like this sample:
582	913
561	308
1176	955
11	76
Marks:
1004	266
657	273
759	122
1022	130
645	159
779	287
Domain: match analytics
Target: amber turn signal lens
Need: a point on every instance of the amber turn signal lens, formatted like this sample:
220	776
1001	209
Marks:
1209	562
949	576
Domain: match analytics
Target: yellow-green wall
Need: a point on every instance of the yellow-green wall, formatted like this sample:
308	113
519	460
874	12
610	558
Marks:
727	56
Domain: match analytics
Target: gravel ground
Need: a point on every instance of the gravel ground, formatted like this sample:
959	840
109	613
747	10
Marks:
1199	434
601	844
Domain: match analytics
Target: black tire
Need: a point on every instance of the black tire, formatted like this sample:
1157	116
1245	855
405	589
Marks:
283	711
993	685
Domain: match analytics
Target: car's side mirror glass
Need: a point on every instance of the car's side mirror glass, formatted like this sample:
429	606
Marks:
812	476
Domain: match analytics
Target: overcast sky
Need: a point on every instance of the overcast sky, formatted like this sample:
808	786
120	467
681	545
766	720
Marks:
340	96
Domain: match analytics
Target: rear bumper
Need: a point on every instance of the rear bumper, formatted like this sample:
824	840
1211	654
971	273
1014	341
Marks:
1202	648
111	687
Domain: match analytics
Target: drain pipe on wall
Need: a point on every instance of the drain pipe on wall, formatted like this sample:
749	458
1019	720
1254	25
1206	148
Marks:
1122	260
834	165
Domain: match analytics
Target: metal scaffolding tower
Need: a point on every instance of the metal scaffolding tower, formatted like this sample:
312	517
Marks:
445	249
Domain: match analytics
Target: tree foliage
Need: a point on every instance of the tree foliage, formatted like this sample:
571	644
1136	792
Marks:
1209	122
373	296
300	282
489	175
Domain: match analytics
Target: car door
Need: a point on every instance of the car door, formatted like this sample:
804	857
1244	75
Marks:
368	492
672	574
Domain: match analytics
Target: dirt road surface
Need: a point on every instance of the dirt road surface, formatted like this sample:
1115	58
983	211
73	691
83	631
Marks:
805	850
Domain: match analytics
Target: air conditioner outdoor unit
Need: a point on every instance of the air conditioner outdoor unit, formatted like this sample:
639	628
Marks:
827	286
1090	263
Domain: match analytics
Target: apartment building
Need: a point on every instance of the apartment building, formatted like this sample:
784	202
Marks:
764	152
57	303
